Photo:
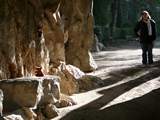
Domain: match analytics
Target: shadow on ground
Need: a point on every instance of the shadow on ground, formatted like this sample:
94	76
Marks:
146	107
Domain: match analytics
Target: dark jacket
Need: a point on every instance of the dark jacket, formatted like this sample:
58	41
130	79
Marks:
143	29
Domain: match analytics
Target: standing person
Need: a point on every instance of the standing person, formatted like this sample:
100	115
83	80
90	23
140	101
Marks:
146	31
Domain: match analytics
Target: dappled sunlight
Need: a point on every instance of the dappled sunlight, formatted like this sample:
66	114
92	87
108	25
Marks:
86	98
135	92
119	59
124	77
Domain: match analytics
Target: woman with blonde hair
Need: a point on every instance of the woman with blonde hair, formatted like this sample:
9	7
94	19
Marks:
146	31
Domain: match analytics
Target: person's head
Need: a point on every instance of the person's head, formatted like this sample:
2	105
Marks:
145	15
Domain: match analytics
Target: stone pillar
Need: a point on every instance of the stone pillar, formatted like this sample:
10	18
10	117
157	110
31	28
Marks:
78	23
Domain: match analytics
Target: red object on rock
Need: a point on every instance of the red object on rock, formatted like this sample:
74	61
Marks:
38	72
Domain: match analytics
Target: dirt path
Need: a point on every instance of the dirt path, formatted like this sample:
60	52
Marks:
131	91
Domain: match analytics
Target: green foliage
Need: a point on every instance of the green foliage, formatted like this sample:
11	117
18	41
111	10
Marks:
102	12
126	15
158	1
122	33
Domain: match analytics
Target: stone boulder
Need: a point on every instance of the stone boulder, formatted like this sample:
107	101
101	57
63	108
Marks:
50	111
29	92
89	82
65	101
69	75
23	92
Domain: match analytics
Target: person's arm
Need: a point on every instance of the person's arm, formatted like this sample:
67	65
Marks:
154	30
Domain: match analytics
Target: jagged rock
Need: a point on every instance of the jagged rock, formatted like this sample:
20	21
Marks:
89	82
29	92
65	101
54	39
50	111
69	75
68	83
51	90
43	34
40	115
76	72
78	22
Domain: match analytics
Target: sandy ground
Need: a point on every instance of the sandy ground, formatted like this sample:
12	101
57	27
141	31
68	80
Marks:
131	91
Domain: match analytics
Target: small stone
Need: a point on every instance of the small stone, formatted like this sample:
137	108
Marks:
50	111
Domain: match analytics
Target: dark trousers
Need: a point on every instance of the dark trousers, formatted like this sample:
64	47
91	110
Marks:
147	56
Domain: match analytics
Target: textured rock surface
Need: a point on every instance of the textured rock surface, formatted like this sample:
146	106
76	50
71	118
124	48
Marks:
20	92
78	19
89	82
69	76
28	92
44	33
65	101
50	111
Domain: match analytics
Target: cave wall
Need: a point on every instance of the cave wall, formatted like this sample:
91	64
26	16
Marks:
78	18
44	33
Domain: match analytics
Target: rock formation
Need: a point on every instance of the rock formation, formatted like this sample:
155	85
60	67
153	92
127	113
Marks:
23	95
39	38
78	24
44	33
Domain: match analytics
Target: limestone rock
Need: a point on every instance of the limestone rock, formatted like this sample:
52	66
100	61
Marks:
89	82
29	92
68	83
51	90
76	72
78	22
69	75
50	111
65	101
43	33
21	92
40	115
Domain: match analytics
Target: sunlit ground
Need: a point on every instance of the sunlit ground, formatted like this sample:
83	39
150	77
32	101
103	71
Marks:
119	60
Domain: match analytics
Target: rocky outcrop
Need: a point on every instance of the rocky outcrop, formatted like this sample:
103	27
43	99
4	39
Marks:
30	93
69	75
89	82
78	19
43	33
